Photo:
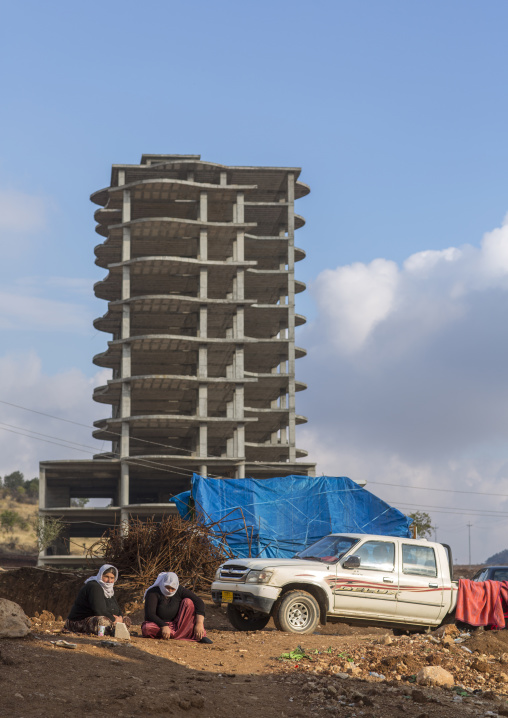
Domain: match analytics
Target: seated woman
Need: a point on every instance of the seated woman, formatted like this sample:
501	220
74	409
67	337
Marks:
173	612
96	605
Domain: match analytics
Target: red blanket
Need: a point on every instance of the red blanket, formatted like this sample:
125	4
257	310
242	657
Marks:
482	603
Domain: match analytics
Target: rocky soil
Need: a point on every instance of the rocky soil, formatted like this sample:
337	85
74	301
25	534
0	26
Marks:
338	671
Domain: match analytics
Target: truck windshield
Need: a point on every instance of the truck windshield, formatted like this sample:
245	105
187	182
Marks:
328	549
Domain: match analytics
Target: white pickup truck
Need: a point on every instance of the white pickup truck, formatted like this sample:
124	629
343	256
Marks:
358	578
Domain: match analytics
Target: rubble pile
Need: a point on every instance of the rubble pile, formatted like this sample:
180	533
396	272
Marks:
448	666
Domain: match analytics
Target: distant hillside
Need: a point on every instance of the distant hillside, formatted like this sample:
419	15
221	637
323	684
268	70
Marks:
500	558
16	532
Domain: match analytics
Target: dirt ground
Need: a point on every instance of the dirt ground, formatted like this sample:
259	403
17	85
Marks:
345	671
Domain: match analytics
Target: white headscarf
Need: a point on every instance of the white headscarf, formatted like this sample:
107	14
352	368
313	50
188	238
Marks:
166	578
108	588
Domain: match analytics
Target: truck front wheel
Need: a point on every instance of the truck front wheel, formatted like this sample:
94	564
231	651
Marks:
297	612
244	619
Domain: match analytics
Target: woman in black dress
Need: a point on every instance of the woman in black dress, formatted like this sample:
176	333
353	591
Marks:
172	611
96	605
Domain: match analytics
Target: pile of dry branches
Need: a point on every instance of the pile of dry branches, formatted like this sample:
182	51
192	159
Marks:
140	550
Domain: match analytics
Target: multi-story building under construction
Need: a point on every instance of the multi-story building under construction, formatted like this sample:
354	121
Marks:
200	285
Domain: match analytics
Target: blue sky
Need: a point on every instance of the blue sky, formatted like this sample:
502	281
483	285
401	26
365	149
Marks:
395	111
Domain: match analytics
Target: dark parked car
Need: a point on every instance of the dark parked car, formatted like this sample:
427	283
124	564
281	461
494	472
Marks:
491	573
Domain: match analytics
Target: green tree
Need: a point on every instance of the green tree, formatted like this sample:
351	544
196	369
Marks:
20	489
9	520
47	530
32	488
14	480
79	502
423	523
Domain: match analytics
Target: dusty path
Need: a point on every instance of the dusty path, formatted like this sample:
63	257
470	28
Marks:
241	675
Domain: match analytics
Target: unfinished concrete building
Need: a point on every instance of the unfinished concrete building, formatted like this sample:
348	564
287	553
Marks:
200	285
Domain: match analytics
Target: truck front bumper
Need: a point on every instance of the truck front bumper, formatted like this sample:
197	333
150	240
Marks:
258	598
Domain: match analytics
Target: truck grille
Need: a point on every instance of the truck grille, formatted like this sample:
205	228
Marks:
233	572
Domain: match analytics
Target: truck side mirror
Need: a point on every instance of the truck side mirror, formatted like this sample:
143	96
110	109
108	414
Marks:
351	562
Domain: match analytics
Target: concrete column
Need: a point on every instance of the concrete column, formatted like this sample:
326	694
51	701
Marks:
42	505
203	283
241	440
203	470
126	361
126	322
240	450
126	244
203	245
239	401
125	368
126	282
203	321
202	361
203	331
203	207
124	441
239	366
42	488
125	404
126	206
239	323
43	553
123	498
223	178
240	213
203	400
240	284
203	441
291	317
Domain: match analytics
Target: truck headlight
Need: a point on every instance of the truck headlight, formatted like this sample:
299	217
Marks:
258	576
217	574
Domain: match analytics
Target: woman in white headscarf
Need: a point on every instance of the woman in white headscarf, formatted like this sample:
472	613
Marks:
96	605
172	611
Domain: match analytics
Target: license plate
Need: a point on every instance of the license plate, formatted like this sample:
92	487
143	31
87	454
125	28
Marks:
227	596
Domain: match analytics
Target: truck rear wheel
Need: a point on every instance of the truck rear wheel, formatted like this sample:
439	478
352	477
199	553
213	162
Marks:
243	619
297	612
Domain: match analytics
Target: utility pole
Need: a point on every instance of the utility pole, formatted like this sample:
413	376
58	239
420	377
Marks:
469	531
435	528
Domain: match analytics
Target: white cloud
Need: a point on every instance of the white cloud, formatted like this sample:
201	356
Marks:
356	298
21	213
35	313
67	395
407	375
494	253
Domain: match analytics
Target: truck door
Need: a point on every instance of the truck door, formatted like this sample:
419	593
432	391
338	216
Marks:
371	589
420	597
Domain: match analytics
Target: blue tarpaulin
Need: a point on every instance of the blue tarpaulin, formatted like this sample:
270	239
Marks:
278	517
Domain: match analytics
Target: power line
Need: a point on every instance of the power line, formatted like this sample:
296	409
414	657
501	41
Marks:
184	472
135	462
430	488
458	511
115	433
